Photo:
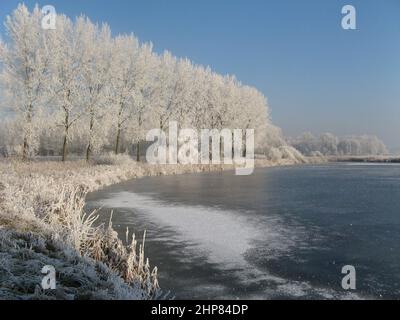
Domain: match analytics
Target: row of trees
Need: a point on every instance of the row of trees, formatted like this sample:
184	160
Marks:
79	89
329	144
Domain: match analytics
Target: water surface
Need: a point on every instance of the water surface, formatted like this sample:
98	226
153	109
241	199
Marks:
280	233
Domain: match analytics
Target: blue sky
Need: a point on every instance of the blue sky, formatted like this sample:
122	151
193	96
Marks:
317	76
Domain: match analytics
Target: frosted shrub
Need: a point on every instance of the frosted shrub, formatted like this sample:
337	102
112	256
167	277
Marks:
274	154
23	254
48	199
287	153
112	159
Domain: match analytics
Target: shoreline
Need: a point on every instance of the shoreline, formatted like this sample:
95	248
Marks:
365	159
42	208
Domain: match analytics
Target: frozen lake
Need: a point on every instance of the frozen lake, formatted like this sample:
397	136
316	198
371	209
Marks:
280	233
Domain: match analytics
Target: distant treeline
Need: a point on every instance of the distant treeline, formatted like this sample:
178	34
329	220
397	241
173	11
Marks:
329	145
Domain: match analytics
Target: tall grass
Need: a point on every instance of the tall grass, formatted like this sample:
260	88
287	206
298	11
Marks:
48	199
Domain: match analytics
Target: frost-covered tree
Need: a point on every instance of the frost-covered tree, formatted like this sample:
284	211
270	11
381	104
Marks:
330	145
24	71
144	94
95	73
181	100
165	88
66	66
9	140
123	81
99	91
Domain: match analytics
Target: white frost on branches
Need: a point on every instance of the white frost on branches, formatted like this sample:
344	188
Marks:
330	145
79	89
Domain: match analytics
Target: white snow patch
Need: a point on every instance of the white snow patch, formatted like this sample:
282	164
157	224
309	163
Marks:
223	237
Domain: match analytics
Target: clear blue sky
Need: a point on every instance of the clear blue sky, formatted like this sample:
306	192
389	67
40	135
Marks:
317	76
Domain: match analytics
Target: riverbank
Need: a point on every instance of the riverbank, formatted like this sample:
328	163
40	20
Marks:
42	222
365	159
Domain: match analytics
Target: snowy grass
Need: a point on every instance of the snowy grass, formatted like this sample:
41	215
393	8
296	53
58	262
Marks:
42	221
42	203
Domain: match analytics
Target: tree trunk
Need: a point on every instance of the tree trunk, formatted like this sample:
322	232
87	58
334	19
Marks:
66	132
89	146
244	147
161	123
117	142
119	128
25	149
138	142
221	150
64	151
88	152
138	151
